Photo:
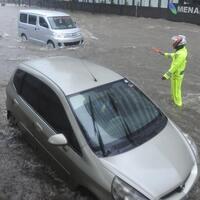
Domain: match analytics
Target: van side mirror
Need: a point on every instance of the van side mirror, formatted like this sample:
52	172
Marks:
45	25
58	140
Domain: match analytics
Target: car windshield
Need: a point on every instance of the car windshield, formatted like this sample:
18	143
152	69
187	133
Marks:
61	22
116	117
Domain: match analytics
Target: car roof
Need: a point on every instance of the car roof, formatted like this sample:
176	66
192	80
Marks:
48	13
72	75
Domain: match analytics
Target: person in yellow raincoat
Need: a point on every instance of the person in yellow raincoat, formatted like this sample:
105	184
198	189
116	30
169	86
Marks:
177	68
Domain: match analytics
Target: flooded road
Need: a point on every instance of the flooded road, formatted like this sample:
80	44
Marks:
123	44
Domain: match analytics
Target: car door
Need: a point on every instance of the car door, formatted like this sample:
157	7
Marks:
41	115
49	120
22	24
14	101
53	121
42	30
32	27
25	102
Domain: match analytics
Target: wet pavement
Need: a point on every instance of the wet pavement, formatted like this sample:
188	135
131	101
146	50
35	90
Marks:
121	43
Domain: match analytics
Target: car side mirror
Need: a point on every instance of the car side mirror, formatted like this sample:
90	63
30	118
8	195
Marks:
58	140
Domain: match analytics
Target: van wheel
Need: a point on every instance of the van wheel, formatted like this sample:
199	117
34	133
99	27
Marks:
50	45
24	38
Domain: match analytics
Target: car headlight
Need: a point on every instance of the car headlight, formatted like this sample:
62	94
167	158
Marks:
123	191
73	34
59	35
78	33
193	146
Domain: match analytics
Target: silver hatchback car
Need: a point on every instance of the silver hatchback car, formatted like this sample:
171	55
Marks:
106	134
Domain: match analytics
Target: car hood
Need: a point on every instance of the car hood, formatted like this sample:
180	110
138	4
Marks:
67	31
158	166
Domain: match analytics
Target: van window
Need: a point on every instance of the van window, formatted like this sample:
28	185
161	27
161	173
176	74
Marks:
32	19
62	22
53	112
43	22
23	18
17	80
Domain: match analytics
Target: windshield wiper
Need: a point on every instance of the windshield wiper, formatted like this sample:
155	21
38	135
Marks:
123	122
96	130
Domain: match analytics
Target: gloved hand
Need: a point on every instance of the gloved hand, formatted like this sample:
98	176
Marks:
163	78
157	50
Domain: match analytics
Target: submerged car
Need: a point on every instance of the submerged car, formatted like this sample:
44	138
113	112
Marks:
53	28
107	135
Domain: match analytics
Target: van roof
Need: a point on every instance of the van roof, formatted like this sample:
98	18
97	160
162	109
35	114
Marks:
48	13
73	75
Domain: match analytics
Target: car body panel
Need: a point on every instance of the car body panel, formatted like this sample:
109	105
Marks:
155	168
68	78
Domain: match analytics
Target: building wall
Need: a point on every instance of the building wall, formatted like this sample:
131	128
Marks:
144	3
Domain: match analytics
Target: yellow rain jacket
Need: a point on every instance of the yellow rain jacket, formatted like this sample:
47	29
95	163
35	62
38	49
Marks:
176	73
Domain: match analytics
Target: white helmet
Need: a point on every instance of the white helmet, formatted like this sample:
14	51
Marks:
178	40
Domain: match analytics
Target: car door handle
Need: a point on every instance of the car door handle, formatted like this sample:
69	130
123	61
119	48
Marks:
38	127
15	102
37	29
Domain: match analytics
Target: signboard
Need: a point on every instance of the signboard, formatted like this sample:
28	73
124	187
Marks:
188	10
185	9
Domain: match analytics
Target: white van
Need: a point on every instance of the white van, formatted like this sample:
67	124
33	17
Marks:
55	29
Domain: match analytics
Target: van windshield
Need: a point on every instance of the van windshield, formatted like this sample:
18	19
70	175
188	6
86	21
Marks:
61	22
116	117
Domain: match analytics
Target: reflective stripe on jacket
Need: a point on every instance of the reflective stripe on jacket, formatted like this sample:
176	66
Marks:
178	65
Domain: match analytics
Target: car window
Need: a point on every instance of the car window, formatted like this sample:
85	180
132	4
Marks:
32	19
30	91
116	117
43	22
51	109
23	17
17	80
47	104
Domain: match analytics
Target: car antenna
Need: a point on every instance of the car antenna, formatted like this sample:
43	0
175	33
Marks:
94	78
92	75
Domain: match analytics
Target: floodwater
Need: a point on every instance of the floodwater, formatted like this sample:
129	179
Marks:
121	43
